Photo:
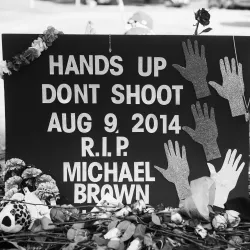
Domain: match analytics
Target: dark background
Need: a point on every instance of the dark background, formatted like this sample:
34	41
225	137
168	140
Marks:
27	119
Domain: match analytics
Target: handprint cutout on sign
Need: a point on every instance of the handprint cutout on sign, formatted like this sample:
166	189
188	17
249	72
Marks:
226	179
178	169
206	131
196	68
232	87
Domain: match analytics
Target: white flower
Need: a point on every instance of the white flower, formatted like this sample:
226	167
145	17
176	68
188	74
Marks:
112	233
232	218
39	45
4	68
176	218
199	229
135	244
149	210
104	215
219	222
123	212
138	207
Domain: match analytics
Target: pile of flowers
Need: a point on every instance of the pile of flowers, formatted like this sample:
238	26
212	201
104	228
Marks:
113	225
133	227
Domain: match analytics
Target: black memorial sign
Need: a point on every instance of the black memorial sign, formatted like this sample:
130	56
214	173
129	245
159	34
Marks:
94	112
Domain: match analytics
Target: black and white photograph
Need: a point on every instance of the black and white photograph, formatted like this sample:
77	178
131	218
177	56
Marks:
124	124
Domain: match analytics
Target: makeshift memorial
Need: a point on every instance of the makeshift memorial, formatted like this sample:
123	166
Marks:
31	218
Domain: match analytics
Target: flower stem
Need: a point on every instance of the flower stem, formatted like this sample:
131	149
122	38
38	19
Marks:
196	29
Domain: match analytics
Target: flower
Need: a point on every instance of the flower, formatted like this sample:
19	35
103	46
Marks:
12	182
176	218
10	193
123	212
31	54
112	233
138	207
50	35
47	191
4	68
44	178
199	229
232	218
219	222
135	244
13	167
202	16
39	45
31	173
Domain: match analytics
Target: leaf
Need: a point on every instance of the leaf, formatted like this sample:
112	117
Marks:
140	231
40	239
71	234
78	225
99	240
156	220
206	30
122	226
114	243
148	241
37	226
71	246
122	246
167	246
113	224
128	233
132	218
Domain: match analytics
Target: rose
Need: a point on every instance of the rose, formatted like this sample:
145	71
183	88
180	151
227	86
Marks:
232	218
202	16
50	35
199	229
112	233
39	45
4	68
219	222
176	218
138	207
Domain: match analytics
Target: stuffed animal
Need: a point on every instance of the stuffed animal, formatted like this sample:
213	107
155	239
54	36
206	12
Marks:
14	216
26	190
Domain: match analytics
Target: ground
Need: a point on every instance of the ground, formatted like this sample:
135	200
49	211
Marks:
16	16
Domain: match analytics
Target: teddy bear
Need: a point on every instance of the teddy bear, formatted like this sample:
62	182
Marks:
14	216
24	186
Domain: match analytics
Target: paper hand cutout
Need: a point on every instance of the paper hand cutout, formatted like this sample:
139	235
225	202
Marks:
226	179
206	131
178	169
196	68
232	87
